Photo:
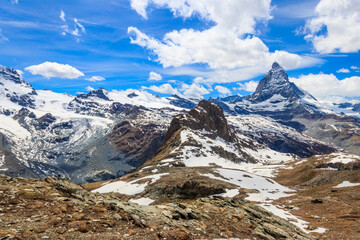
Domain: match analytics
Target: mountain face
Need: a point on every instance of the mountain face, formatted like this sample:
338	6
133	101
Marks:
198	146
14	89
89	137
204	153
276	82
102	135
276	98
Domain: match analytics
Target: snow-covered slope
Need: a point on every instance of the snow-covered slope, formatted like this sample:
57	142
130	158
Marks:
58	134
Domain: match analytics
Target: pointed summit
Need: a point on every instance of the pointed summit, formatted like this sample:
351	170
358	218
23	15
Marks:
276	82
276	65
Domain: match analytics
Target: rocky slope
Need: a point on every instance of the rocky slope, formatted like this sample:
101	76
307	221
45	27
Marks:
55	208
202	156
328	195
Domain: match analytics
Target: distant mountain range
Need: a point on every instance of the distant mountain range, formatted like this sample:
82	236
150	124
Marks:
103	135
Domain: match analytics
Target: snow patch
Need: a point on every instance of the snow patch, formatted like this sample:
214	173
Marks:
2	160
266	189
142	201
347	184
129	188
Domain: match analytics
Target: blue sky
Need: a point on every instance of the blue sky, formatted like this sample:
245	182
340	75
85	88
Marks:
94	38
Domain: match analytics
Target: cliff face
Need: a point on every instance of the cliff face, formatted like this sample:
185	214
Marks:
206	116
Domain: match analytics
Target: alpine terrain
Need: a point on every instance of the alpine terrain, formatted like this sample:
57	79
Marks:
277	164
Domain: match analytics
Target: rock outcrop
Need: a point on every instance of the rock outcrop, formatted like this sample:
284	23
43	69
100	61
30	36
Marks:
56	208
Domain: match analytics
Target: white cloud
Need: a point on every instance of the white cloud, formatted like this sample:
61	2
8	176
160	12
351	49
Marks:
153	76
336	26
19	72
95	79
77	24
354	68
248	86
140	7
324	85
62	16
223	90
194	90
164	88
89	89
77	30
53	69
229	45
239	15
343	70
15	1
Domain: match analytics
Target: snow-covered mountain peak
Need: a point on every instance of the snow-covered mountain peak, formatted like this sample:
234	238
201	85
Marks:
7	73
14	91
100	93
276	82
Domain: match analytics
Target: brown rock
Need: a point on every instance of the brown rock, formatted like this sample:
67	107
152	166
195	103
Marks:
177	235
56	211
78	216
60	230
54	221
41	228
63	208
116	238
36	204
81	226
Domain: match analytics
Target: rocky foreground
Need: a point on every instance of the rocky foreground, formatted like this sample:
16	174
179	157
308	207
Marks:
56	208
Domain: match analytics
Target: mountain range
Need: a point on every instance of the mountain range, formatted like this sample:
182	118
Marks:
104	134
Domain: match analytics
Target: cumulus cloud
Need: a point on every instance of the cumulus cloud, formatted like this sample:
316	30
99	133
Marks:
153	76
95	79
76	30
242	15
223	90
248	86
354	68
230	44
324	85
343	70
194	90
336	26
164	88
53	69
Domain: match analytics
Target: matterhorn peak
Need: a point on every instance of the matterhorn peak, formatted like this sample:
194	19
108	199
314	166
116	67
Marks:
276	82
276	66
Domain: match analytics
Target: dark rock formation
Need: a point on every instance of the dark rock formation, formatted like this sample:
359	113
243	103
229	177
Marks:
207	116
